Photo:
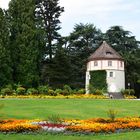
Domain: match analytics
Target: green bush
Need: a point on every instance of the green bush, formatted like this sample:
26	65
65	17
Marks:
67	90
7	90
54	119
81	91
98	79
32	91
43	89
91	89
67	87
20	91
112	114
58	91
66	93
128	92
51	92
98	92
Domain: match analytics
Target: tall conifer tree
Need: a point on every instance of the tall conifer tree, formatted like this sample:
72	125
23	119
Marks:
25	42
49	11
5	63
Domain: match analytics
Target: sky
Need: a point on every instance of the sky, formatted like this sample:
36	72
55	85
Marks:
102	13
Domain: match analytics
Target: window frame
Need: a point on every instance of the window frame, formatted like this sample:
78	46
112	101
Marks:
109	63
121	64
111	74
95	63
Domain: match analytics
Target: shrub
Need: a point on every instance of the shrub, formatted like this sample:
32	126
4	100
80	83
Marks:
7	90
54	119
20	91
43	89
95	91
81	91
91	89
58	91
67	90
65	93
51	92
128	92
112	114
98	92
98	79
32	91
67	87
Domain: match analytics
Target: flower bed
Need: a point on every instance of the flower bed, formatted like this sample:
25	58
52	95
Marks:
83	96
104	125
18	126
96	125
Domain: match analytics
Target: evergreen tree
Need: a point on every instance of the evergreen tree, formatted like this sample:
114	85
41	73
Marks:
5	62
49	11
120	39
26	47
58	71
127	45
81	43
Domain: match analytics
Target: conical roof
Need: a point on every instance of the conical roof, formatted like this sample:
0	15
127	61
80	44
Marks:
105	52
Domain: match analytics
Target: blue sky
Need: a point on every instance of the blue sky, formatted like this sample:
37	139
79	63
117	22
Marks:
102	13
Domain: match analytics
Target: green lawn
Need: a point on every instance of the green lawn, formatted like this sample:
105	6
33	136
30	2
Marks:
68	108
122	136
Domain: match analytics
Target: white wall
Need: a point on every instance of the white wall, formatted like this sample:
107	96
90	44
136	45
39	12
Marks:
117	82
103	65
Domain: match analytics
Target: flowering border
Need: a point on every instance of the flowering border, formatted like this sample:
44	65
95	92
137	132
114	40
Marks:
95	125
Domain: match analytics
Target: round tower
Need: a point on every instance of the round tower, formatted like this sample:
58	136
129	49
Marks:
106	58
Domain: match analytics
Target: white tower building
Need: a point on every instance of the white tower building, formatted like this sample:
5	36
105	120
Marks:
106	58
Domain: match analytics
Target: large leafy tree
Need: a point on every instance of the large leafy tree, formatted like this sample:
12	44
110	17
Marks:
49	11
121	40
85	37
80	44
26	49
5	62
127	45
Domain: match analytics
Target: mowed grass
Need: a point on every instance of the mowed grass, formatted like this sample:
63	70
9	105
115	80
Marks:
121	136
68	108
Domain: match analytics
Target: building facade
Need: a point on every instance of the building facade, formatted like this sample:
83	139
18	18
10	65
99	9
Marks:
106	58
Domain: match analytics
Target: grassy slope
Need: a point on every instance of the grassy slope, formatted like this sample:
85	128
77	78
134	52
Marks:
68	108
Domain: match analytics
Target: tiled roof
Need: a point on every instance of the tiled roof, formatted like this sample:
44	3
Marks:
105	52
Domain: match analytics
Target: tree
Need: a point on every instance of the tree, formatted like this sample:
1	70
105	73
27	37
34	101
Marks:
5	62
48	11
120	39
58	72
81	43
127	45
26	47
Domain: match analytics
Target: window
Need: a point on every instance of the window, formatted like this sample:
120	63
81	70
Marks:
95	63
110	74
121	64
109	63
108	53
